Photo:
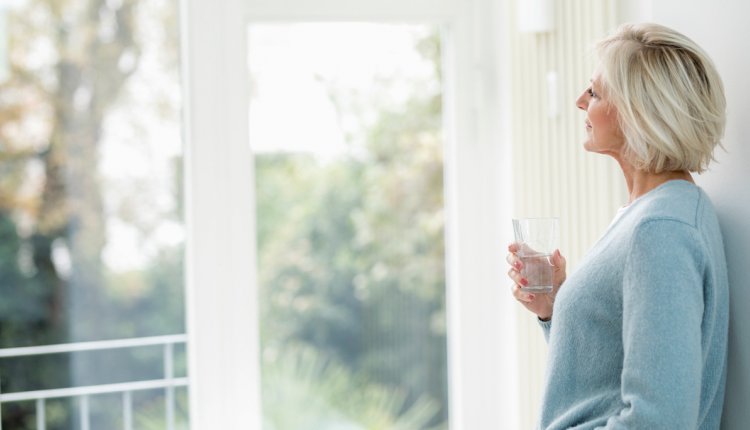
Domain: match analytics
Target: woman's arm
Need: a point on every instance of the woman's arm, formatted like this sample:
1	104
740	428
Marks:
662	315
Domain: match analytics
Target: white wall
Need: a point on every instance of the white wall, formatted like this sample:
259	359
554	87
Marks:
723	29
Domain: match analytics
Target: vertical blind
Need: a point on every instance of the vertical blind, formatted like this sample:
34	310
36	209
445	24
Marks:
553	174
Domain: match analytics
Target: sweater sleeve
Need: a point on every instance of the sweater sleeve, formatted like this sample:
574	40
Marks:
546	326
662	314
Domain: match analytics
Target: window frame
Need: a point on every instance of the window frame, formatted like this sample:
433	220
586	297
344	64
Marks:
222	307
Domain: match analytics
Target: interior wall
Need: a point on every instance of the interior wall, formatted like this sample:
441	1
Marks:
724	32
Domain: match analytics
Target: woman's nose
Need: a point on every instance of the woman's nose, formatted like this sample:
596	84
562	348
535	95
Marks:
582	101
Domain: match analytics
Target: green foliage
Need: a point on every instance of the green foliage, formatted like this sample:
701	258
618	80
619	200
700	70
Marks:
149	301
152	411
351	258
70	64
351	249
324	394
22	304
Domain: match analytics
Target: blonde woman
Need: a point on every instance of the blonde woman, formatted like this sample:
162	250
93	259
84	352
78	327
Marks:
638	333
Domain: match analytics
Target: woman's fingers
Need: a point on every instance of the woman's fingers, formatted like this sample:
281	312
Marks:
515	275
516	265
514	261
541	305
521	296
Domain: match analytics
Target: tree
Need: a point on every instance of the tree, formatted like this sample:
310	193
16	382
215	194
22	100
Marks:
352	257
94	53
70	62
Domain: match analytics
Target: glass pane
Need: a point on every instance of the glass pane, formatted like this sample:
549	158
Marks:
91	225
346	122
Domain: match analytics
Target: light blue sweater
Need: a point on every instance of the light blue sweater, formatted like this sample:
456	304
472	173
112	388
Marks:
638	337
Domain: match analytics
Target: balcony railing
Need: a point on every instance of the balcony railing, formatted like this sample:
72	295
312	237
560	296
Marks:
168	383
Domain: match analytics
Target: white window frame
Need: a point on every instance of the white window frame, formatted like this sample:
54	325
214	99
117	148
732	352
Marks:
222	306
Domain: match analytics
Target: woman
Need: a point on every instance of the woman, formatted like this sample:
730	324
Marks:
638	334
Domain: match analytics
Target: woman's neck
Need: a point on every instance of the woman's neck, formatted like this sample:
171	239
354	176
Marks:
640	182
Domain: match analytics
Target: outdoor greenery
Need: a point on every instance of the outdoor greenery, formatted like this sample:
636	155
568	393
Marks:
351	249
353	277
72	69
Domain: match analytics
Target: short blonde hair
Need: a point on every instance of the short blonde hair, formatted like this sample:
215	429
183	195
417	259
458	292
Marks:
668	95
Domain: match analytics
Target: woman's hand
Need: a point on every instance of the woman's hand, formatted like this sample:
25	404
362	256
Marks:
538	303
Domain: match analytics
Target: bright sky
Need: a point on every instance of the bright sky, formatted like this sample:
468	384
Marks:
290	107
290	110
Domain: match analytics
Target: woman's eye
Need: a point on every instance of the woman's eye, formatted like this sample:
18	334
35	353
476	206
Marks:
591	92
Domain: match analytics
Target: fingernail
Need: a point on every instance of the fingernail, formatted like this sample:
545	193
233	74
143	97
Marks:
517	265
531	297
524	281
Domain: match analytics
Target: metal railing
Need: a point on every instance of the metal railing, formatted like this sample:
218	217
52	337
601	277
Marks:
168	383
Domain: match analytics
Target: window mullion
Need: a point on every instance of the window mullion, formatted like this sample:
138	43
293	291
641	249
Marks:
221	286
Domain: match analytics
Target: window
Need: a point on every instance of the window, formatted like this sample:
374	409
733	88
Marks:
230	221
91	216
346	125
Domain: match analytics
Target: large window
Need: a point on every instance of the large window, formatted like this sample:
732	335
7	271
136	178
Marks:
348	177
346	125
91	230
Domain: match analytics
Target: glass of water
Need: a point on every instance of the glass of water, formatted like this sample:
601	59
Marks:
537	239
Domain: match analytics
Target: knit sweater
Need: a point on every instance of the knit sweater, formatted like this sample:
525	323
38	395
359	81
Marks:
638	337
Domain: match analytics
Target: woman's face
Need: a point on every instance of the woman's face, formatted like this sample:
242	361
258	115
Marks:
603	133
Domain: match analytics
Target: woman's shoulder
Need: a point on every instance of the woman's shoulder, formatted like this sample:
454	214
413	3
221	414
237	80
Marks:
675	212
673	201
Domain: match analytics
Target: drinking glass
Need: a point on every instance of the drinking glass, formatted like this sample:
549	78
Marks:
537	239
